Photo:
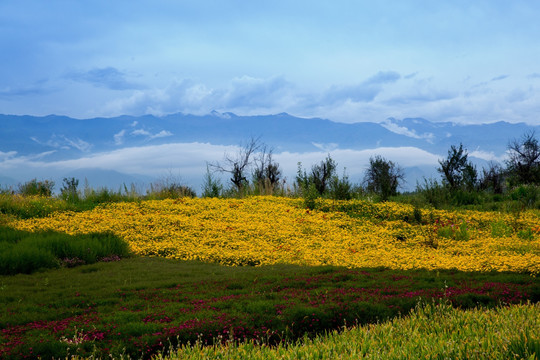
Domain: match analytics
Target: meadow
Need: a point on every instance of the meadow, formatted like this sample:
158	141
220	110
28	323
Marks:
266	277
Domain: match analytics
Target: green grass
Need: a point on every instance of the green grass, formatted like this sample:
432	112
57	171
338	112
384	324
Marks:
26	252
139	305
430	332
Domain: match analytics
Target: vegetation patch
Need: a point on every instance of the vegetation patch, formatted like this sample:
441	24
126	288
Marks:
140	306
26	252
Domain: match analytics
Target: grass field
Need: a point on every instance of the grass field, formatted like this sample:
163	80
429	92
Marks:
214	277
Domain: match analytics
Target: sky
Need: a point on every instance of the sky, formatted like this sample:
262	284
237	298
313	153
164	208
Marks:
345	60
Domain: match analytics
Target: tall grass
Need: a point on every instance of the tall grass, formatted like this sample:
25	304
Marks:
25	252
430	332
141	304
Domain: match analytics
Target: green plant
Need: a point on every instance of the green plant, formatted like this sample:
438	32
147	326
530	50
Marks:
452	231
417	215
25	252
383	177
500	229
212	187
457	171
310	197
526	234
341	189
35	187
69	191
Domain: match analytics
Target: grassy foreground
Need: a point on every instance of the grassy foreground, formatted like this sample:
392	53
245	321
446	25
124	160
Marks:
138	306
430	332
316	270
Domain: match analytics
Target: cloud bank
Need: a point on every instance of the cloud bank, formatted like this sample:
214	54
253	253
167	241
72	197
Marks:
380	96
189	161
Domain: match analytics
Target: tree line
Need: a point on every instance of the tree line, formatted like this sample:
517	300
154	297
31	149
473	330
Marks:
252	170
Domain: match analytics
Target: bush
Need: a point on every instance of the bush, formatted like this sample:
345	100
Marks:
341	189
433	193
34	187
169	190
527	195
25	252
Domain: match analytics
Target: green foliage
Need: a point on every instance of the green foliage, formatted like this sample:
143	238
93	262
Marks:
457	171
322	181
341	189
526	234
140	304
417	215
431	331
320	176
31	206
500	229
453	231
161	191
527	195
25	252
493	179
310	197
383	177
523	164
526	346
433	193
35	187
212	187
69	191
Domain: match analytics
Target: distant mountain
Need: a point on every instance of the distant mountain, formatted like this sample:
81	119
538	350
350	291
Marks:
65	137
51	139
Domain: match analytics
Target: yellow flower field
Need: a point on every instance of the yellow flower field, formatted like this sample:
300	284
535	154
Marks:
270	230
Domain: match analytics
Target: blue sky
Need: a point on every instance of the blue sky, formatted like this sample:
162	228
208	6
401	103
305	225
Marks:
462	61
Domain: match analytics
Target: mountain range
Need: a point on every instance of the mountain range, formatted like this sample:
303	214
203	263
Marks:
54	146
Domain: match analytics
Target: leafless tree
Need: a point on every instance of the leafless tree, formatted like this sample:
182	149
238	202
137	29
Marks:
524	159
237	165
267	172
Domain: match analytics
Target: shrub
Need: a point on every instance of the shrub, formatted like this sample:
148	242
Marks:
69	191
34	187
25	252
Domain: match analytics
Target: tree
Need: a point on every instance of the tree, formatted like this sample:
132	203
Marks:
523	162
238	165
322	173
267	172
69	189
35	187
319	177
493	178
211	187
383	177
457	171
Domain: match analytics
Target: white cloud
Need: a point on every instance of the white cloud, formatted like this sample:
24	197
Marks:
141	132
149	135
189	160
402	130
7	155
326	147
381	96
119	137
63	142
161	134
487	155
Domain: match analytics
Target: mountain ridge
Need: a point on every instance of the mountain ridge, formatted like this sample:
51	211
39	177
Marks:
56	140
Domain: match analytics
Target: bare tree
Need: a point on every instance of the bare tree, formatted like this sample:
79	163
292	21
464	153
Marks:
523	163
267	172
237	165
493	178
